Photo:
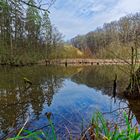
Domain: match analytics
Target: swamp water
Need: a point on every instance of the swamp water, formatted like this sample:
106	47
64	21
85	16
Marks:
71	94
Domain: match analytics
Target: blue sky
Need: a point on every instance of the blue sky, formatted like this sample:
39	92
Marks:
73	17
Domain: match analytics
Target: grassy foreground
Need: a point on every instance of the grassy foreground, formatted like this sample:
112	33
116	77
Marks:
99	129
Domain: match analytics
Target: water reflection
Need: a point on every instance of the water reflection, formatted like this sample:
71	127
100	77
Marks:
102	78
135	108
71	94
17	101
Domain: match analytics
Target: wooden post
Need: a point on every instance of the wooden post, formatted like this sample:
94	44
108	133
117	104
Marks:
66	64
115	86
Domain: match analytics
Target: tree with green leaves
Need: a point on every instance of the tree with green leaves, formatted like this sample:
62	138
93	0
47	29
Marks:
26	33
33	24
47	33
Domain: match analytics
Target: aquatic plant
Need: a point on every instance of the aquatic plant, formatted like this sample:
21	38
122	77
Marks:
37	135
99	129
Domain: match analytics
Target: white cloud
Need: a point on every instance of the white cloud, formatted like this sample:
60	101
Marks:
74	17
129	5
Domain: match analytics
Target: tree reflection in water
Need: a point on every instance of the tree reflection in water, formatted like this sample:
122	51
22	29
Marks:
17	101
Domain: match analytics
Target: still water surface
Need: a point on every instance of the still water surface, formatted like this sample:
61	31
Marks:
71	94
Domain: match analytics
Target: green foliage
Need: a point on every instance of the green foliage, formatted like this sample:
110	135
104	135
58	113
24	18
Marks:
38	135
102	129
67	51
33	23
26	34
99	126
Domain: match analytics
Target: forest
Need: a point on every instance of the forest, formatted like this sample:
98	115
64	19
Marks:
26	33
113	40
27	36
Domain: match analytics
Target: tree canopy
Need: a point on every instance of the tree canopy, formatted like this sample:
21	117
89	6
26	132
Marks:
26	32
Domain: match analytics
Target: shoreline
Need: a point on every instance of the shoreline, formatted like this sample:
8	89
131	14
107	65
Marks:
86	61
75	62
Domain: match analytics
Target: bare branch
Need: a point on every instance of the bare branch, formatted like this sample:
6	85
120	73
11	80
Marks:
38	7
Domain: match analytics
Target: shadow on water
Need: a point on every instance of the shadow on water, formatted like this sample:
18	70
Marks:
69	93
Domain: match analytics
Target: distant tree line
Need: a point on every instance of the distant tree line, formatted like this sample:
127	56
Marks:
124	33
26	32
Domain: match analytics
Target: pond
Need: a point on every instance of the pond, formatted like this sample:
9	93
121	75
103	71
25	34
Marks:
71	94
